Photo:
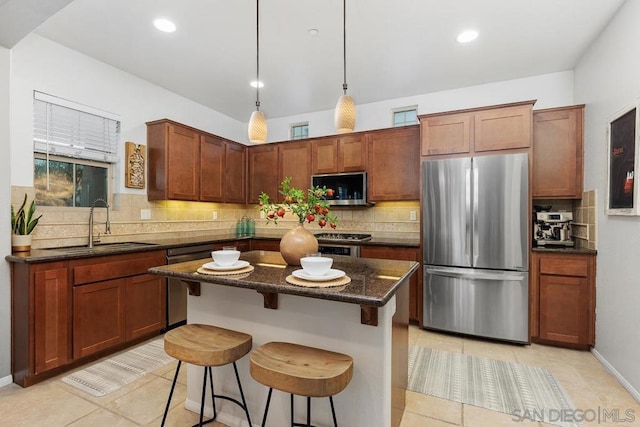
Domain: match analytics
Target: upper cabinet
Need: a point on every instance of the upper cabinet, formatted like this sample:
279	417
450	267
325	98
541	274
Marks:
558	152
263	171
338	154
394	164
294	160
187	164
500	127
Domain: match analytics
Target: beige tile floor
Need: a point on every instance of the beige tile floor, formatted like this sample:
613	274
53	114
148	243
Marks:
53	403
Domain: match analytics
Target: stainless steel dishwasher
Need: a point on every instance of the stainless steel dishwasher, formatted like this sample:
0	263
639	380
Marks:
176	290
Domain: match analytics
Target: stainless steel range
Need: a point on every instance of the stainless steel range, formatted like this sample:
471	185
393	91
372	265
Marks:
341	243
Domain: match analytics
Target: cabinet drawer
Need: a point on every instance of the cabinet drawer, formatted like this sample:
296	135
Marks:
561	266
117	266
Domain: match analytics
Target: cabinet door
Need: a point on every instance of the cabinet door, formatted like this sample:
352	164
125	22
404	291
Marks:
394	164
502	128
235	174
183	171
352	153
325	155
415	282
263	171
52	301
98	316
212	150
145	305
564	309
294	160
447	134
557	166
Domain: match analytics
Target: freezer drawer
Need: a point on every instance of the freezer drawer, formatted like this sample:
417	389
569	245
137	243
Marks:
485	303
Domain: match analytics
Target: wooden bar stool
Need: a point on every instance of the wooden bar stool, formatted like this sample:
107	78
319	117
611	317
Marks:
301	370
208	346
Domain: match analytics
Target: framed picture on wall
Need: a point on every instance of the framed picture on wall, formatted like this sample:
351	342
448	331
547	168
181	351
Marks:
622	158
135	164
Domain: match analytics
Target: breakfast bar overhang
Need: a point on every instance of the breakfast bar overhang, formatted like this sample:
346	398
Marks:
366	319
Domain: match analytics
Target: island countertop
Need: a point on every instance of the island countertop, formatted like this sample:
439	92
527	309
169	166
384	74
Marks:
373	281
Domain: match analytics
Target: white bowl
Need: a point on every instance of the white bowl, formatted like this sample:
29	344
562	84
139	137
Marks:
225	257
316	265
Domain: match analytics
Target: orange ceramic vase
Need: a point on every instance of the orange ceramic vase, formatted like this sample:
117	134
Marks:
297	243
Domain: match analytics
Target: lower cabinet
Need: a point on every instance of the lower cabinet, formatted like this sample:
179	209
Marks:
415	283
563	296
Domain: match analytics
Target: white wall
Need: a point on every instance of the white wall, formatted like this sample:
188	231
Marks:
607	79
5	228
39	64
550	90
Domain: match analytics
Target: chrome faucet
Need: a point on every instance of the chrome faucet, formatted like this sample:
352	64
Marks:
107	223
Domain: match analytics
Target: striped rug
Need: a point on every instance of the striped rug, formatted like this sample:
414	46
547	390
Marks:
528	393
109	375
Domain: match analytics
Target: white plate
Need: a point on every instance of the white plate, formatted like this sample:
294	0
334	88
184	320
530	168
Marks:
217	267
329	275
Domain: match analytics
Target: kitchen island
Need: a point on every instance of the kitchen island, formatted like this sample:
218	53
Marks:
366	319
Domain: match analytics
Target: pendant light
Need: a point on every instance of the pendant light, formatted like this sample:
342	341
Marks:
257	122
344	117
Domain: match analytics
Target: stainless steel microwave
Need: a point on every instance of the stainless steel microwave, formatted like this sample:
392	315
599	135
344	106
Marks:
349	189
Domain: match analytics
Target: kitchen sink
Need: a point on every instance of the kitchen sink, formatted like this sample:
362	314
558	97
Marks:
104	247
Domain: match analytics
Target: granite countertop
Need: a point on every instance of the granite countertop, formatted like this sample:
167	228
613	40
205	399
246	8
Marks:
560	250
373	281
152	244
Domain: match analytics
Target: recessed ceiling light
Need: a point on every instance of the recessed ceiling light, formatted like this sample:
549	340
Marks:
467	36
256	84
164	25
313	32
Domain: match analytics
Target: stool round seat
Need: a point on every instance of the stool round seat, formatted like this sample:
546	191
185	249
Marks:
206	345
301	370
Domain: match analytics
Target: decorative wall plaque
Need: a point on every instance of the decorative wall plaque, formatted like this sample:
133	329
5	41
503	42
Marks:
135	162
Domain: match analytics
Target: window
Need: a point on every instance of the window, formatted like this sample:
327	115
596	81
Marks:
300	131
74	147
405	116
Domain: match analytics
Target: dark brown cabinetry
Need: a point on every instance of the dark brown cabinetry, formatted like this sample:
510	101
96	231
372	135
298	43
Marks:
500	127
394	164
235	172
212	163
294	160
145	305
563	299
415	283
339	154
263	171
558	152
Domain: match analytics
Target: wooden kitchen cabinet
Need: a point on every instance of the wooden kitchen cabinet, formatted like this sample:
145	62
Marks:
265	245
339	154
558	143
563	299
501	127
394	164
145	306
415	283
40	319
263	171
212	165
294	160
235	175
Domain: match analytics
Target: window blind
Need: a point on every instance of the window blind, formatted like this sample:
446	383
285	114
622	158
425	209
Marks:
64	128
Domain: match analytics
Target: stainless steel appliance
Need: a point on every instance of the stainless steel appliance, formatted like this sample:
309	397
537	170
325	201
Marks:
553	229
349	189
475	234
176	290
341	243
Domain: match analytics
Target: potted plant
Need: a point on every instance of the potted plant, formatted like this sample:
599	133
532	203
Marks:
22	224
310	207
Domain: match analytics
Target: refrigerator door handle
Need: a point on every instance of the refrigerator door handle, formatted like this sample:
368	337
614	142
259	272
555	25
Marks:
476	274
468	225
476	248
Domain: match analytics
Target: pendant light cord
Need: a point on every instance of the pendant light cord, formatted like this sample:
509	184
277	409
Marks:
257	55
344	44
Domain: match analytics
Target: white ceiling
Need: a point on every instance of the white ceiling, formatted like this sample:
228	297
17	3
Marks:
395	48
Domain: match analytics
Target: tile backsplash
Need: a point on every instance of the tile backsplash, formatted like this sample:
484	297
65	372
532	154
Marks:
64	226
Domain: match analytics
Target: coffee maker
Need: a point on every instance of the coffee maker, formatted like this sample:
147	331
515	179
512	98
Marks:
553	229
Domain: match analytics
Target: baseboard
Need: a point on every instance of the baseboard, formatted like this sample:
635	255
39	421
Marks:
5	381
223	417
632	391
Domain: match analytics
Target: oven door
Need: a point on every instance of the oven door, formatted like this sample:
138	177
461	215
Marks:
333	249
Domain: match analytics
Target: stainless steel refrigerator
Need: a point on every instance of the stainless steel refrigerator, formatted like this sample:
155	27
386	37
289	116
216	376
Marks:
475	238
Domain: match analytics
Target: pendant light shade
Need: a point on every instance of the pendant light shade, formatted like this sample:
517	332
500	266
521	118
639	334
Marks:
344	117
257	127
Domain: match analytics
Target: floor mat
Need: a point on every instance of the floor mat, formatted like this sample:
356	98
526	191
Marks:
528	393
109	375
